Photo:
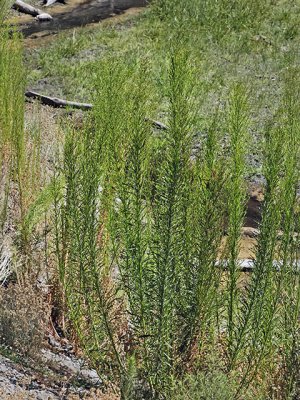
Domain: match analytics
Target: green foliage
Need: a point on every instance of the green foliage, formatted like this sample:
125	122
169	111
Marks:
139	231
11	114
238	130
216	19
141	218
213	385
3	10
258	333
39	207
288	290
20	157
205	225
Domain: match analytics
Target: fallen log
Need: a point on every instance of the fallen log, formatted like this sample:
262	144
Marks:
60	103
25	8
56	102
157	124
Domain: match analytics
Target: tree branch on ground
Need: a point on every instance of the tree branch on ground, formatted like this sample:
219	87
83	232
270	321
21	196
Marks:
61	103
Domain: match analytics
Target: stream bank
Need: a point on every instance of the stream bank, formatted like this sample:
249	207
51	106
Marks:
76	13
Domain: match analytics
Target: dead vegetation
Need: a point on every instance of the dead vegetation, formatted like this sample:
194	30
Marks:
24	318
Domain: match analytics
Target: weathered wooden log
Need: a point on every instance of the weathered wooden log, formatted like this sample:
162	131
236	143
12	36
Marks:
25	8
157	124
56	102
60	103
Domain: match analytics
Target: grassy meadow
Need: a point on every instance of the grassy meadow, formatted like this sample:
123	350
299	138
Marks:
137	229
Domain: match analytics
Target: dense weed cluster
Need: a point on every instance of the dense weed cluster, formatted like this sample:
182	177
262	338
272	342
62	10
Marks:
138	223
140	226
24	314
11	114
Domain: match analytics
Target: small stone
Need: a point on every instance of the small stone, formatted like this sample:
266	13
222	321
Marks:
43	17
53	342
91	376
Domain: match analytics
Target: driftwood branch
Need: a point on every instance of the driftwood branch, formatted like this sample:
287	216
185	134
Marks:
56	102
60	103
25	8
157	124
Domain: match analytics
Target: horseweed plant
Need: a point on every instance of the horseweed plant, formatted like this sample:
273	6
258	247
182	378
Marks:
20	157
259	329
238	130
136	227
11	111
288	280
140	234
147	232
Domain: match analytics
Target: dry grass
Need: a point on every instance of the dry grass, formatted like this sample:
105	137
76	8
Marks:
21	394
24	315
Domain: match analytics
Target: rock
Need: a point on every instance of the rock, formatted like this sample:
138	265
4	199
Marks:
91	376
43	17
50	2
72	365
53	342
19	382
